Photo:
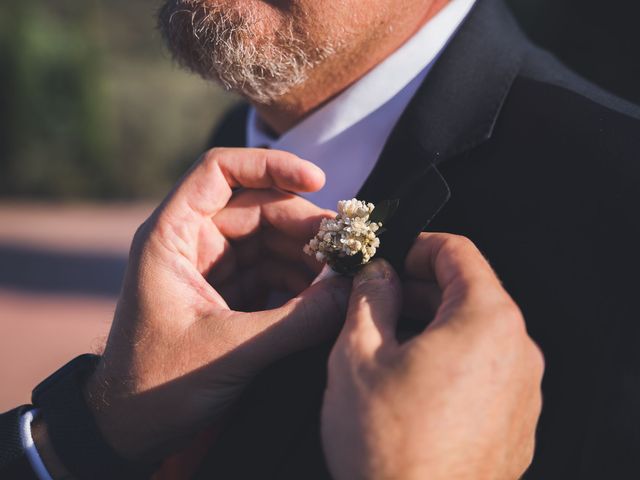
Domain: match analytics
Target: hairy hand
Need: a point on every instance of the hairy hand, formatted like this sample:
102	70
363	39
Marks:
459	401
180	351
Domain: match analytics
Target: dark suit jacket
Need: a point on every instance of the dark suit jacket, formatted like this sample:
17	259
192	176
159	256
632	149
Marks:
543	170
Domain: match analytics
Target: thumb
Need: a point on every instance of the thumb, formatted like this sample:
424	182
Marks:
314	316
374	307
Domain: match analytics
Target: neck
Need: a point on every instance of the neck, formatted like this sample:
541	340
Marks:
335	75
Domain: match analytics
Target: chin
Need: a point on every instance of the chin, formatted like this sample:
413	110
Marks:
249	46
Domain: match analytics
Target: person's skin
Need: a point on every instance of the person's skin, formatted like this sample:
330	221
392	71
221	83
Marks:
359	34
370	31
178	355
460	401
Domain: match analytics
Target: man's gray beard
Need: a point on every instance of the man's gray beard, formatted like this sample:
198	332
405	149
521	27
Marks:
223	44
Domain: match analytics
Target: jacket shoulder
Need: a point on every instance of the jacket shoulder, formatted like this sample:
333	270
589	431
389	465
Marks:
542	67
567	116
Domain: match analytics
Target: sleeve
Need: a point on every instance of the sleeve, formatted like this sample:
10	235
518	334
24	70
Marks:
14	463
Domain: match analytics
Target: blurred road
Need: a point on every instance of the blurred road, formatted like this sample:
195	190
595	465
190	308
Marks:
60	273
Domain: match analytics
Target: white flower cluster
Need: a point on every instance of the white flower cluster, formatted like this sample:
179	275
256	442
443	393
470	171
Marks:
349	233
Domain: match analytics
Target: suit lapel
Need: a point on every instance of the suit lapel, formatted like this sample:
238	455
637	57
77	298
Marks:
405	174
454	111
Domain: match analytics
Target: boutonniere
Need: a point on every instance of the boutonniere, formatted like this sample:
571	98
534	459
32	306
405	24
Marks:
351	239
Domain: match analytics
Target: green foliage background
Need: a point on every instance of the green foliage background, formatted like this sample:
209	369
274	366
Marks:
91	105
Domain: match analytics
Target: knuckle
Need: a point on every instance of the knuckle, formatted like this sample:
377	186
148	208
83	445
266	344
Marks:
497	306
347	349
536	358
215	152
371	289
508	318
140	237
141	233
503	323
458	250
510	310
212	157
455	243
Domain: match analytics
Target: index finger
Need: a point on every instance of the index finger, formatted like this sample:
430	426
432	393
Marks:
454	264
207	187
250	210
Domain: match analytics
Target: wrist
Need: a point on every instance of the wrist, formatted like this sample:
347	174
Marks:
72	429
130	422
113	411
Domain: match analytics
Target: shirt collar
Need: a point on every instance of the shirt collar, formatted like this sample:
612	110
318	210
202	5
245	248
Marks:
369	93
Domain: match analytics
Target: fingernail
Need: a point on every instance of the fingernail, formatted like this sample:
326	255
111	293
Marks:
377	270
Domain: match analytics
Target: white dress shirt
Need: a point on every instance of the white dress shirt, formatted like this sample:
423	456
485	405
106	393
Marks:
346	136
